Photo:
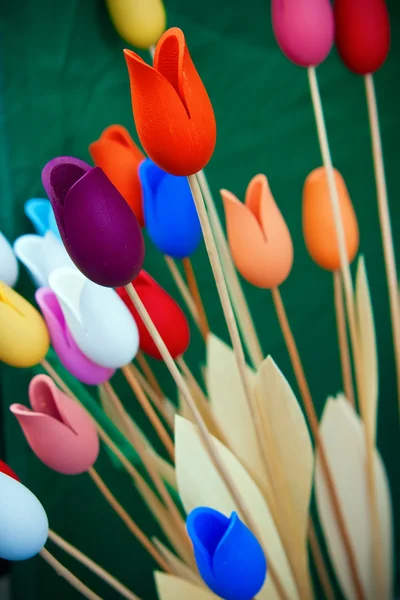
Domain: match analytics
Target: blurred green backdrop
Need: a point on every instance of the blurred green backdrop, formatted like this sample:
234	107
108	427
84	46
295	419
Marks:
63	80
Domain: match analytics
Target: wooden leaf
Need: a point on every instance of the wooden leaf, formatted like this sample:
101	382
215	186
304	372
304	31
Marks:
290	461
342	433
367	340
177	565
229	404
170	587
199	484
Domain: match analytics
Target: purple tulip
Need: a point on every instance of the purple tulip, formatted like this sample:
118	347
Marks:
98	228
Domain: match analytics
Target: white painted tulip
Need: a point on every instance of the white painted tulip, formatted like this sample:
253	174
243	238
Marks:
98	320
41	255
8	262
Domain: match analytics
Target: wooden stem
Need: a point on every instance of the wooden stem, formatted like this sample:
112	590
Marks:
343	340
149	374
163	405
242	311
195	293
184	290
319	563
138	445
204	434
149	410
129	522
314	426
68	576
384	219
92	566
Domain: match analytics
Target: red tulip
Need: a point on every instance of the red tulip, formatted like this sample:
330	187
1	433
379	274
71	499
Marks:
362	34
4	468
165	313
172	111
117	154
59	431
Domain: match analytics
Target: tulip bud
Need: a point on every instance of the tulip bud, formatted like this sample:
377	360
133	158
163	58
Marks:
41	255
229	558
4	468
59	431
258	236
8	262
24	340
171	217
70	355
318	223
362	34
138	22
117	155
165	313
173	114
41	215
84	201
98	320
304	30
23	522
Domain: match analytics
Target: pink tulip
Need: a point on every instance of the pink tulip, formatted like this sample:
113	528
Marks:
59	431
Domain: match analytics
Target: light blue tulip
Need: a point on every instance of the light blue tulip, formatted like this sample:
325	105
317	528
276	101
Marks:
41	215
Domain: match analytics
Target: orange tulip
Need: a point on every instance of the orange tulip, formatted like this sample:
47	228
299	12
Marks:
318	222
172	111
258	236
117	154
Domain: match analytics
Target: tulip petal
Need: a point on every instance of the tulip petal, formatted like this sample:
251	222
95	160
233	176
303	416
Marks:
172	111
70	355
165	313
41	215
138	22
170	213
62	435
99	321
304	30
24	340
4	468
8	262
23	522
118	156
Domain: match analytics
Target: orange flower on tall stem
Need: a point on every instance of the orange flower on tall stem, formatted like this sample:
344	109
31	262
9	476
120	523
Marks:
173	114
258	236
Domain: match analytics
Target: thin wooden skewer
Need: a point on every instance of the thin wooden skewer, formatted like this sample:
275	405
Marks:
149	410
129	522
349	297
242	311
384	218
314	426
92	566
164	406
146	460
322	571
195	293
204	434
68	576
343	340
149	374
183	289
228	313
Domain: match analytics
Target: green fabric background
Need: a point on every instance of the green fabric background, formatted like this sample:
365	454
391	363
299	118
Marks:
63	79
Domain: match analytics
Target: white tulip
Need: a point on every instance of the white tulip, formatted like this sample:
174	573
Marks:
8	263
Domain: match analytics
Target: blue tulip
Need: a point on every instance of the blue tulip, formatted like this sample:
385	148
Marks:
169	211
23	521
228	555
40	213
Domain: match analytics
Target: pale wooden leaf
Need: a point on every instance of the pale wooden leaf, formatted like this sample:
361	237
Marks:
367	339
342	433
204	409
199	484
230	406
177	565
290	462
164	468
170	587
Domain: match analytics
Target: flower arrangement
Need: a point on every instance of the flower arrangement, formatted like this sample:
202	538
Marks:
231	490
